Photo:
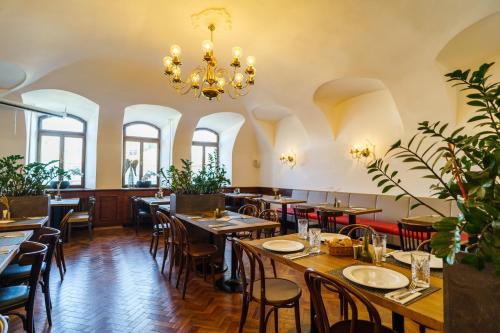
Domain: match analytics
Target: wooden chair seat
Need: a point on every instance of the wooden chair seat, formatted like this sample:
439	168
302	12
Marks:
278	291
17	274
362	326
202	250
11	296
79	217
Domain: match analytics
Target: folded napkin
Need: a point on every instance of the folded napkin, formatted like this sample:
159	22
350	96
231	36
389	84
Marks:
298	255
194	216
6	249
407	296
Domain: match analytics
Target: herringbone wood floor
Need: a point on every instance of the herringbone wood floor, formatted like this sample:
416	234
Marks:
114	285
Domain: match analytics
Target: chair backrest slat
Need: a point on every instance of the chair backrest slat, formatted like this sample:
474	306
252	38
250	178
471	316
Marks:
249	209
412	235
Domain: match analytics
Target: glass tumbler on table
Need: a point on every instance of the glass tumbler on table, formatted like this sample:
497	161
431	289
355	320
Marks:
379	248
302	225
315	240
420	269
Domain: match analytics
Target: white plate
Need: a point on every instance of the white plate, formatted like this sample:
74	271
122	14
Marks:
375	277
405	257
326	236
283	246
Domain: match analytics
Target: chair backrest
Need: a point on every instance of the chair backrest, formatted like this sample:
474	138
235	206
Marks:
63	226
326	218
32	253
425	246
92	201
255	271
153	208
411	235
168	229
269	215
49	237
302	212
349	229
181	234
318	282
249	209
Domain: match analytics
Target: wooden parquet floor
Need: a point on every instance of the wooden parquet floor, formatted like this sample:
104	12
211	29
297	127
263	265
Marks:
114	285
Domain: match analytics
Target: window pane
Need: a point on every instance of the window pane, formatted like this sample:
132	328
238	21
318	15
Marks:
132	153
197	157
150	160
67	124
204	136
73	152
141	130
210	151
49	148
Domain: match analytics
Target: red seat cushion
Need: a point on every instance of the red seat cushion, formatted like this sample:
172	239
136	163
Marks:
289	210
380	226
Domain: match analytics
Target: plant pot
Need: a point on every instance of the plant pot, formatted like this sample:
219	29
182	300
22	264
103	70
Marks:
29	206
470	299
191	203
143	183
64	184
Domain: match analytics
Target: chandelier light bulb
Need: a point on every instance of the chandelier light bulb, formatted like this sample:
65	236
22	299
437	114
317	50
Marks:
195	78
221	82
167	61
237	52
250	60
175	50
177	71
238	77
207	46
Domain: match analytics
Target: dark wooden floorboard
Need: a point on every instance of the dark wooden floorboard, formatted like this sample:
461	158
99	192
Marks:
114	285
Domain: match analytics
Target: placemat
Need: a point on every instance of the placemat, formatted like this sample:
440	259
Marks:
249	220
380	292
216	223
434	272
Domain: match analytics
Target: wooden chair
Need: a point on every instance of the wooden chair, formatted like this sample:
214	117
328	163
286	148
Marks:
14	297
302	212
318	282
158	230
250	210
275	292
328	220
269	215
16	274
170	244
411	235
61	263
139	213
83	218
256	202
190	253
351	229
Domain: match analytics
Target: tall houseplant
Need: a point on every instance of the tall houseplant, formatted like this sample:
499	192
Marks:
464	165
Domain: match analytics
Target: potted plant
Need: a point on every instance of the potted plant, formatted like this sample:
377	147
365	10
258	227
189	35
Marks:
145	182
196	192
24	185
63	178
464	166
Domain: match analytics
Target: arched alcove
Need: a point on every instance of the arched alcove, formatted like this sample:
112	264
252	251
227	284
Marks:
163	117
74	104
227	125
12	75
267	118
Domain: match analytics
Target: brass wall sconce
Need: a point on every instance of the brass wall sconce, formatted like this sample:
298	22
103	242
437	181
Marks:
289	159
359	153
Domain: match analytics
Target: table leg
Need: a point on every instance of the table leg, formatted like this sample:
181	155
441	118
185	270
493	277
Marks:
398	322
352	219
233	284
314	329
284	221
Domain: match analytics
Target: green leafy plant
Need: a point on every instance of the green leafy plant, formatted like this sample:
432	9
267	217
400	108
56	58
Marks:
19	179
210	179
464	168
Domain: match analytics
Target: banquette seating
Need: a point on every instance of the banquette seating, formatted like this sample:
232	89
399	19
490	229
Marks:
385	221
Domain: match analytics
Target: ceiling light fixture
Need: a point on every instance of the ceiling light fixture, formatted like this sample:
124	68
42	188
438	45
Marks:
208	79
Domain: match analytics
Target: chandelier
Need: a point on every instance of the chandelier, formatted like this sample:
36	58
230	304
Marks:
208	79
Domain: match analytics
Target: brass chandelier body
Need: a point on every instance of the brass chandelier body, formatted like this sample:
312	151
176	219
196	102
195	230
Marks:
208	80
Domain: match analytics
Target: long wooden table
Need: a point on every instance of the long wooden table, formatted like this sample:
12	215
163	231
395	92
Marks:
352	212
20	224
427	311
238	225
425	220
13	240
284	202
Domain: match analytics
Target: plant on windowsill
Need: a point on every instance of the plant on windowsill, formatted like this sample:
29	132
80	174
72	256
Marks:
63	178
465	170
201	191
145	182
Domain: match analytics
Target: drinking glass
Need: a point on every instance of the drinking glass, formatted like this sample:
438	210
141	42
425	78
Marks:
315	240
379	247
302	224
420	268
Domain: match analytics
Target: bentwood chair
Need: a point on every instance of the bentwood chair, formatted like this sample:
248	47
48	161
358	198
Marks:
14	297
274	292
16	274
250	210
158	230
60	261
139	213
302	212
170	244
328	220
83	218
317	283
351	230
411	235
190	253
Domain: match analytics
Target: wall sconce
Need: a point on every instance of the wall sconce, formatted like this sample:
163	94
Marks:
289	159
365	152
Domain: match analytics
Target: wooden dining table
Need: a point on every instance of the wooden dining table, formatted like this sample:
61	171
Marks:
11	240
427	311
424	220
59	208
156	201
236	223
23	224
351	212
284	202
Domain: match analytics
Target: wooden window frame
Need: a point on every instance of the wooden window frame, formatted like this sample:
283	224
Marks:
205	144
141	141
62	135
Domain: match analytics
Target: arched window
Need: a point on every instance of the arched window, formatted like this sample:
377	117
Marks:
205	143
141	152
63	139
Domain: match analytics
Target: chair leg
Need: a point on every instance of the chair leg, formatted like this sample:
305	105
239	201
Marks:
157	240
181	267
30	325
166	248
69	232
212	269
59	263
262	318
186	277
297	317
244	313
61	255
48	305
421	328
90	231
273	264
152	242
275	320
173	256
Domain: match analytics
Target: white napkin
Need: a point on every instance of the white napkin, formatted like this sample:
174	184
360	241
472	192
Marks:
405	300
293	256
